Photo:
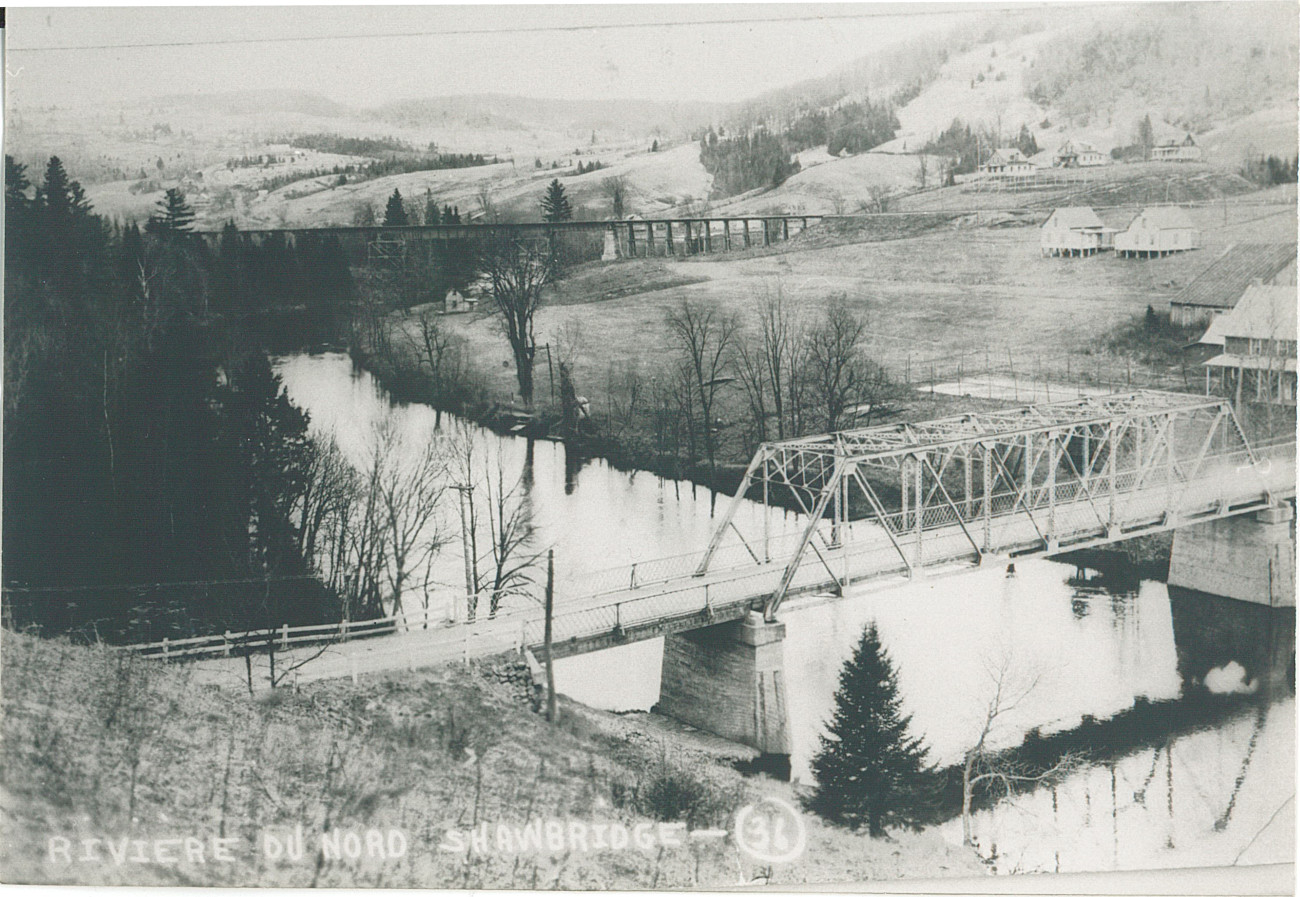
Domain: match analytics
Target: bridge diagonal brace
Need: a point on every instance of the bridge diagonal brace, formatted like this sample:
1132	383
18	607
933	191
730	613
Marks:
814	517
948	498
1028	513
1083	487
759	459
882	517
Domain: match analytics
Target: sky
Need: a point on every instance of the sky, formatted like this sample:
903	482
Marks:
366	55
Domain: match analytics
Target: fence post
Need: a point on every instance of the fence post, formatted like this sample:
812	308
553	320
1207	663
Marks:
164	647
225	644
284	636
633	586
352	662
343	629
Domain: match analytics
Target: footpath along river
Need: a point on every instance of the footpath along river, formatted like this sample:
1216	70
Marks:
1182	700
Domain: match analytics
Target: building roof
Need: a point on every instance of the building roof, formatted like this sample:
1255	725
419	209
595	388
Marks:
1264	312
1237	267
1006	155
1163	218
1076	217
1174	141
1253	362
1075	147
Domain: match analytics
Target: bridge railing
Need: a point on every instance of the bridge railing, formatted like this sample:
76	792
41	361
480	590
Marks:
607	600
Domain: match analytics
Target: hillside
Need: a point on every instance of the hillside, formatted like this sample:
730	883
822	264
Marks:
98	745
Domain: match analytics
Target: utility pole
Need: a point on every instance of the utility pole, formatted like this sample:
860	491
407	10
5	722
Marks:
466	549
550	608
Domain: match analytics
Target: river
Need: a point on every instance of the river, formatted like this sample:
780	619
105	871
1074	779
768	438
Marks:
1181	700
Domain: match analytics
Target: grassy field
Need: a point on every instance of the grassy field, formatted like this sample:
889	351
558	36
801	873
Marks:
101	745
956	292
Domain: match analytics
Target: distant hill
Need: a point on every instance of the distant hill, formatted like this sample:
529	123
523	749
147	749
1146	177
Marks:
500	111
294	102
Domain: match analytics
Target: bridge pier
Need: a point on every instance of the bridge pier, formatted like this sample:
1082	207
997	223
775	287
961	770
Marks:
1249	558
729	679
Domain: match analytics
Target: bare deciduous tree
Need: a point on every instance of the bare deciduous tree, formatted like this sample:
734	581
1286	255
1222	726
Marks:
705	339
440	351
616	187
983	768
838	374
410	479
518	271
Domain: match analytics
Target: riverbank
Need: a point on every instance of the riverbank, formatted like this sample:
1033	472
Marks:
101	745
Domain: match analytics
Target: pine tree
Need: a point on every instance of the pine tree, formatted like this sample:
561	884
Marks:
395	212
870	770
432	216
174	215
555	205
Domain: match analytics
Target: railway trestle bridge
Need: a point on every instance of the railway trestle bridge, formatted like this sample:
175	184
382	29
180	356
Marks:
878	504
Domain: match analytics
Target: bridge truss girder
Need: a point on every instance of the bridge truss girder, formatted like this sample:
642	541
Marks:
973	473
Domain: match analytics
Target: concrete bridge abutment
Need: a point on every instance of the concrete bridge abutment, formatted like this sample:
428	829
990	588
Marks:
729	679
1248	558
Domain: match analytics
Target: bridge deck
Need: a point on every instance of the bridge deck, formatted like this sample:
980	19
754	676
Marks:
681	601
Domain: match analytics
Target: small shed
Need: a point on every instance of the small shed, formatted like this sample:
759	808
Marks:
1075	231
1007	160
1184	150
1156	232
456	302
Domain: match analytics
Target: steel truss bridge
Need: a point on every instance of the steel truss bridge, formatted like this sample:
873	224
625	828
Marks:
876	504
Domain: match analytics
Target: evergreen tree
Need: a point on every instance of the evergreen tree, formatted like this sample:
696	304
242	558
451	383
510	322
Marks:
395	213
870	770
1146	136
174	215
1025	142
432	216
555	205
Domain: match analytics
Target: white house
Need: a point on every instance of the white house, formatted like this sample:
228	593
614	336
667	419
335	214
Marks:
1077	154
1075	230
1184	150
1007	160
1159	230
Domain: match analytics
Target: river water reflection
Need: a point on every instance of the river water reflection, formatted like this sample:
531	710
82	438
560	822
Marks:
1182	700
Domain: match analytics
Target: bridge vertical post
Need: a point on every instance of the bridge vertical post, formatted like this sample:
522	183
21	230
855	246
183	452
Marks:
767	231
919	510
987	475
631	240
668	238
904	485
726	235
785	229
746	233
1111	450
767	526
1053	458
708	239
966	479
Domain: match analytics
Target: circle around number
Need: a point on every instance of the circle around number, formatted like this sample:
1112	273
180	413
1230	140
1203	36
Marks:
763	853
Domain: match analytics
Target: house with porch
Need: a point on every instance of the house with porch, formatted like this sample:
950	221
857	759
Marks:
1158	231
1184	150
1077	154
1258	338
1007	160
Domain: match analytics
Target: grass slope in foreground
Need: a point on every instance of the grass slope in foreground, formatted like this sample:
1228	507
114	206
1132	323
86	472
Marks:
99	744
